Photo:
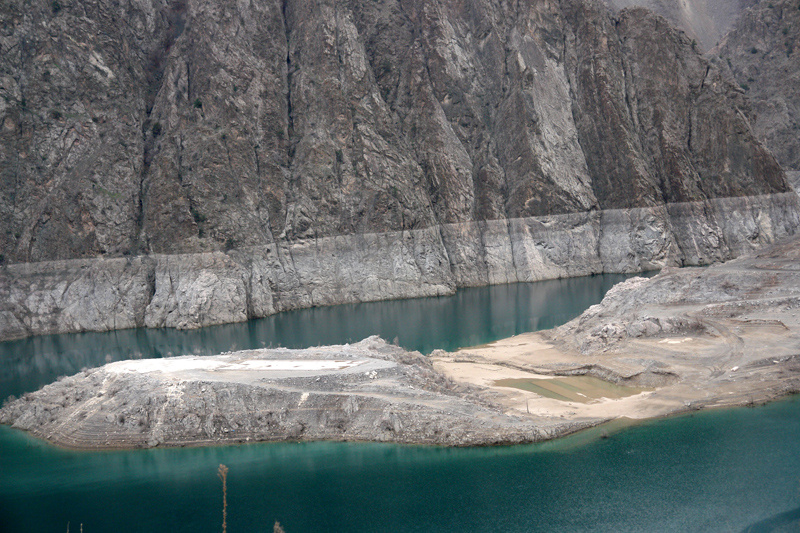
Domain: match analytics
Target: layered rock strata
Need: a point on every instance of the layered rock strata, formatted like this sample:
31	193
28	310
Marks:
194	290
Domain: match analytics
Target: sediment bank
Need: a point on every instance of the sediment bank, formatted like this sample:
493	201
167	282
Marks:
688	339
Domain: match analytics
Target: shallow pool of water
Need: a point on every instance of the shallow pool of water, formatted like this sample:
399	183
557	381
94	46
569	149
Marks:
583	389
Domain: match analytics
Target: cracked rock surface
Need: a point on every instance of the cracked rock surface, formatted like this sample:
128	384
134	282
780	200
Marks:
187	162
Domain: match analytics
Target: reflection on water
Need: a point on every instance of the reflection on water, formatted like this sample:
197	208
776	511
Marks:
470	317
711	471
780	523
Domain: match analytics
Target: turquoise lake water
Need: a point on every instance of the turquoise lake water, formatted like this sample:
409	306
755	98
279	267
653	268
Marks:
725	470
470	317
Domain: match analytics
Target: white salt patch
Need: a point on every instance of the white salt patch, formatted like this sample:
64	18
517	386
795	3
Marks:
209	364
675	341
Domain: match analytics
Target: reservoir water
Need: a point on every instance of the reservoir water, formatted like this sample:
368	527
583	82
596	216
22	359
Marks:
470	317
726	470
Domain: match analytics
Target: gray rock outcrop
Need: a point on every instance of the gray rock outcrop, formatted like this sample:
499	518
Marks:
184	163
763	53
729	301
704	21
369	391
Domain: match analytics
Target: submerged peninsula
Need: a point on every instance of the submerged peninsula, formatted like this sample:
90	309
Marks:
686	339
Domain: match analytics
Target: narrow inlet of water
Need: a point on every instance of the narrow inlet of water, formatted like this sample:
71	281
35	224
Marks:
471	316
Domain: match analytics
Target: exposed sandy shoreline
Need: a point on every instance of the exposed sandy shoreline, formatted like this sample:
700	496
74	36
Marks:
722	336
687	339
530	356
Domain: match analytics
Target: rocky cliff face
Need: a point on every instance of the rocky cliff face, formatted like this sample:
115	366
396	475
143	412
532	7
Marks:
320	152
193	290
704	21
763	52
756	41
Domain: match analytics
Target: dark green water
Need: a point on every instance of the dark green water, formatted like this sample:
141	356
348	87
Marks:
730	470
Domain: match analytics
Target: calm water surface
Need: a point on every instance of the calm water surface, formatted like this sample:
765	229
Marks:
727	470
731	470
470	317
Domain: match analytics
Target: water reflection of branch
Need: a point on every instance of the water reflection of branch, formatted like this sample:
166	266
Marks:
222	472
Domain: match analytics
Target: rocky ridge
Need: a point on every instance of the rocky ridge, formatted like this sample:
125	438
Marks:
756	42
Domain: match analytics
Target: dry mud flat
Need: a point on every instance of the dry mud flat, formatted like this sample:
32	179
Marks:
686	339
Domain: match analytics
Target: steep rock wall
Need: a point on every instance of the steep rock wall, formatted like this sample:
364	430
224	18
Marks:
763	53
704	21
189	126
193	290
183	163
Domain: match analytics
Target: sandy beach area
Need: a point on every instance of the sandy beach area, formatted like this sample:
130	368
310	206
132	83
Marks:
688	339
